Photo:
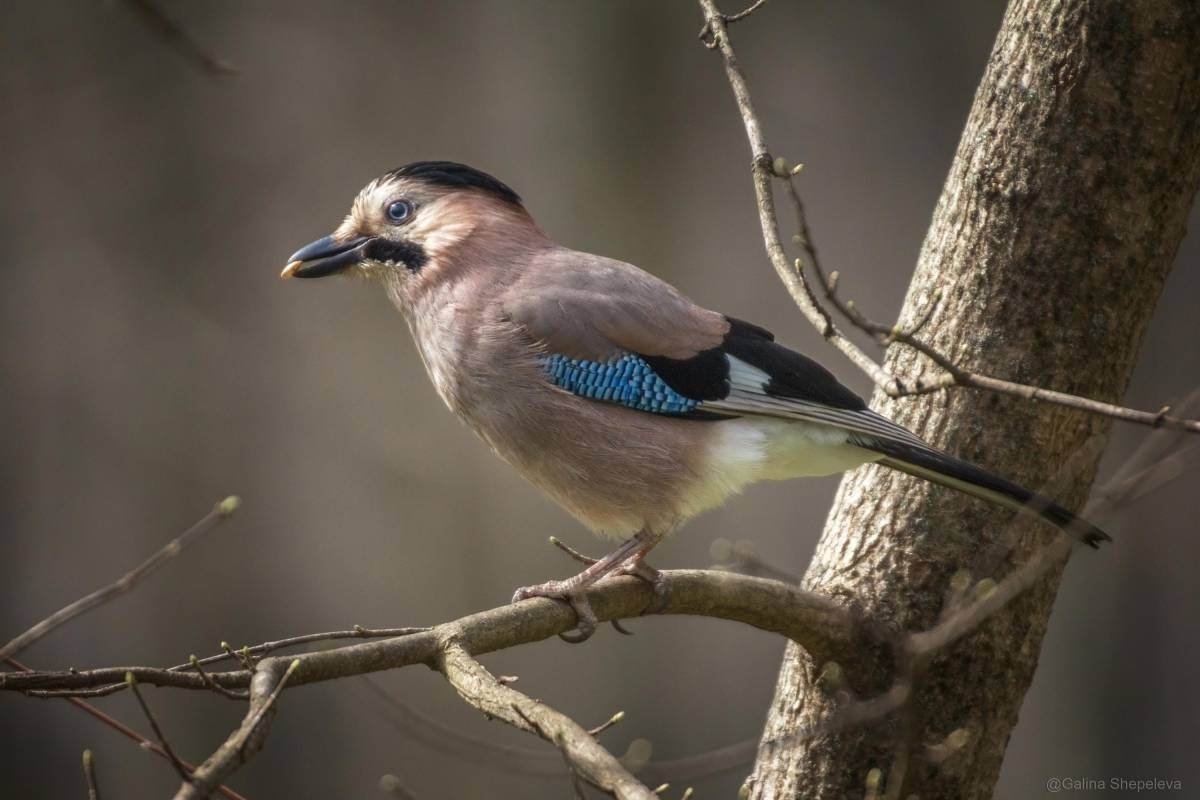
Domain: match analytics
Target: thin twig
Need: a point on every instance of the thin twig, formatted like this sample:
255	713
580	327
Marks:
585	756
763	173
89	774
571	551
955	376
967	607
178	39
764	170
242	656
270	679
766	604
615	719
431	731
127	732
220	512
232	694
222	679
745	12
183	771
815	622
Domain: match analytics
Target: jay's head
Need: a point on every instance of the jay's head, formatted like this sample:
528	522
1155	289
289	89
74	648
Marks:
407	226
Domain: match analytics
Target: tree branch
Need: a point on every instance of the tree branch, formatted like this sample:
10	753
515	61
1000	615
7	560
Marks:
765	169
250	652
584	755
127	732
220	512
176	37
89	775
814	622
270	678
1047	253
825	627
184	771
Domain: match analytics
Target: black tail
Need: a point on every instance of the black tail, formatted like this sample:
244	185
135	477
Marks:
966	477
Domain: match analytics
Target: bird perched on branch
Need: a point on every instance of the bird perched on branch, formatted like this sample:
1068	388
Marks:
631	406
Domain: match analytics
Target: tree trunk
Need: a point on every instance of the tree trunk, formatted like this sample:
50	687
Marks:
1060	218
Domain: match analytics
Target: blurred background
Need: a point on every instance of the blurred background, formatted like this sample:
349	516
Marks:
153	363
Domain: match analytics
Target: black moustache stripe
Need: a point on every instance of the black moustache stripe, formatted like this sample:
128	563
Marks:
410	254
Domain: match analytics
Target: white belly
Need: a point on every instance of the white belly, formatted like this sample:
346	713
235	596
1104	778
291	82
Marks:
752	449
765	448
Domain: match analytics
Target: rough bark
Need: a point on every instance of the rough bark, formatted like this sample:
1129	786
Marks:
1057	226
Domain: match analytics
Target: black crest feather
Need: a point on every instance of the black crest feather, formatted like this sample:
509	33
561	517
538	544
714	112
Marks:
455	176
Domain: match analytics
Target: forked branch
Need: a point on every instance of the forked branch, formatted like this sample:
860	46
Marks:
765	170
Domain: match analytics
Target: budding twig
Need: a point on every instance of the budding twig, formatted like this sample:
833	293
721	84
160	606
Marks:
613	720
220	512
765	170
183	771
89	774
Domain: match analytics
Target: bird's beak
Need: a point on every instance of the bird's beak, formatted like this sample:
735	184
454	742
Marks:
324	257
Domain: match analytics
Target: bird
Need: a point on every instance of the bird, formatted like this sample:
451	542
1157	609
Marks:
631	406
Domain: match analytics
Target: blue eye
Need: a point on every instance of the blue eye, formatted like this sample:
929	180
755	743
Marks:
399	210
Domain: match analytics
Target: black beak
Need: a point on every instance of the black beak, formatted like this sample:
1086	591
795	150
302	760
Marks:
324	257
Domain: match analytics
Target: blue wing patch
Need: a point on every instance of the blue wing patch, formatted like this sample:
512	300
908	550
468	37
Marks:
628	381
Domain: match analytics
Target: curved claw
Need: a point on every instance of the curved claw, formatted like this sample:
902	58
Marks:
659	586
619	628
585	620
625	558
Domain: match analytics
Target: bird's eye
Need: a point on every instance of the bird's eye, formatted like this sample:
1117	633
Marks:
399	210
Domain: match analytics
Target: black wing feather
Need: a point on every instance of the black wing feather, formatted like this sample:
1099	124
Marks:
792	374
705	376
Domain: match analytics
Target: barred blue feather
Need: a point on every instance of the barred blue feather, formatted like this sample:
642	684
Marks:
628	381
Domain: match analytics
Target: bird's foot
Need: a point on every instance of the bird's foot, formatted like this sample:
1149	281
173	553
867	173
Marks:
637	567
572	595
625	560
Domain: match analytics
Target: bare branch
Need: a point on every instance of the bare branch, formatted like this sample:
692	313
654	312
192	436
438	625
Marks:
89	774
254	651
815	622
828	631
232	694
764	170
527	761
954	375
127	732
967	606
269	681
615	719
183	771
220	512
582	752
178	39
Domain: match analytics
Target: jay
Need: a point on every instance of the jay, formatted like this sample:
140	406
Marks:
629	405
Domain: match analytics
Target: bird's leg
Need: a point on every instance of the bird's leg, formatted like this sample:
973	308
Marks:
574	589
636	565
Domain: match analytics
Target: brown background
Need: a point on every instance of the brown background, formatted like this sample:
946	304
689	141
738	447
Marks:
153	363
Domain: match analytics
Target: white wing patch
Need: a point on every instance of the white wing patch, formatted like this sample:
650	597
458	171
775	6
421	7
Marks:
748	396
746	377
